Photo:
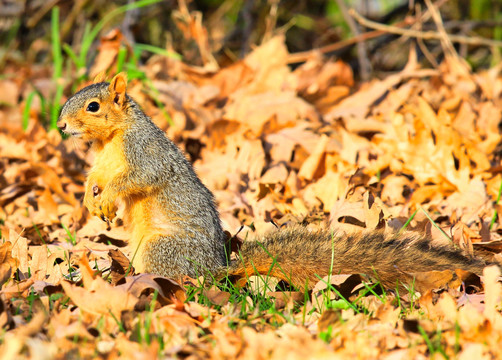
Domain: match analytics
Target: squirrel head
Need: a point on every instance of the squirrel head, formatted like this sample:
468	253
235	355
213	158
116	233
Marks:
97	111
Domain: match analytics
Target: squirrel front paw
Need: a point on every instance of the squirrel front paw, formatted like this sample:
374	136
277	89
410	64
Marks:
107	208
92	204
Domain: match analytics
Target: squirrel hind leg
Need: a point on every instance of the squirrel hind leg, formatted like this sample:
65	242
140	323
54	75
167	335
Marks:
175	256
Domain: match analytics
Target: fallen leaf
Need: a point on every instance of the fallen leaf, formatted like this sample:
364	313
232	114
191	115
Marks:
168	289
217	297
121	266
97	296
7	263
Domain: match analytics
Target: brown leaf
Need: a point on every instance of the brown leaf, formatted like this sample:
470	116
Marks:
20	251
232	77
6	321
276	111
97	296
429	280
313	162
169	290
275	174
17	289
7	263
346	284
9	92
287	298
493	290
328	317
47	209
217	297
121	266
108	50
357	105
328	189
53	182
39	262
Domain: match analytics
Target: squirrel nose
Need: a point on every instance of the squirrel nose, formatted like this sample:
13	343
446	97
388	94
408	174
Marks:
61	125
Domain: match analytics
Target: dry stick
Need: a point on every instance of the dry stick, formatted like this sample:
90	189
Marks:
33	20
421	42
427	35
271	20
305	55
247	28
362	52
436	17
446	43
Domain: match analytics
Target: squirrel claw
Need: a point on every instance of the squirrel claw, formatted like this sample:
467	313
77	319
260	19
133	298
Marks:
107	212
105	219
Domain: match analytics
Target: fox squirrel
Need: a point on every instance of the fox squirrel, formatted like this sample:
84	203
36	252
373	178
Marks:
176	228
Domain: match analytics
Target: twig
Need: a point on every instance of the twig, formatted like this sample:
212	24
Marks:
303	56
271	20
427	35
130	19
362	52
248	26
445	39
421	43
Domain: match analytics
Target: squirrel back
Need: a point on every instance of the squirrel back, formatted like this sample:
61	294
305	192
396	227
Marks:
175	227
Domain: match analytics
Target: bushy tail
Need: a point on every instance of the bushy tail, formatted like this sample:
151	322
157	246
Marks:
298	255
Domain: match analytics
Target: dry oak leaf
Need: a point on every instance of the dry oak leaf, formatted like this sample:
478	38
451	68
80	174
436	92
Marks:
168	290
344	214
258	110
47	213
316	78
5	316
120	267
217	297
312	163
346	285
108	49
358	105
328	190
283	143
19	250
427	280
8	264
493	291
287	298
9	92
270	69
52	180
97	296
16	290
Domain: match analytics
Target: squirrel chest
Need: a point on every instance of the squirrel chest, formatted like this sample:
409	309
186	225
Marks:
110	162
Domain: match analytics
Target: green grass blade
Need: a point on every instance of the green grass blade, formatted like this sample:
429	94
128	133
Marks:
158	51
434	223
56	44
26	110
88	40
57	58
408	222
495	214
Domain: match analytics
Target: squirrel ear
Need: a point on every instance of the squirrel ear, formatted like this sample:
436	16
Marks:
101	77
118	87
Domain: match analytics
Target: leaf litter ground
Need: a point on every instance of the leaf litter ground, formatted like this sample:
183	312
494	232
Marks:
276	146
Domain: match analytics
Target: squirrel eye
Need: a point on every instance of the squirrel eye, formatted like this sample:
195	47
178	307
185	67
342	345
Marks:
93	106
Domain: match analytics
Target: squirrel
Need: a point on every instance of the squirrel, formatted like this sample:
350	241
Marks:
176	229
